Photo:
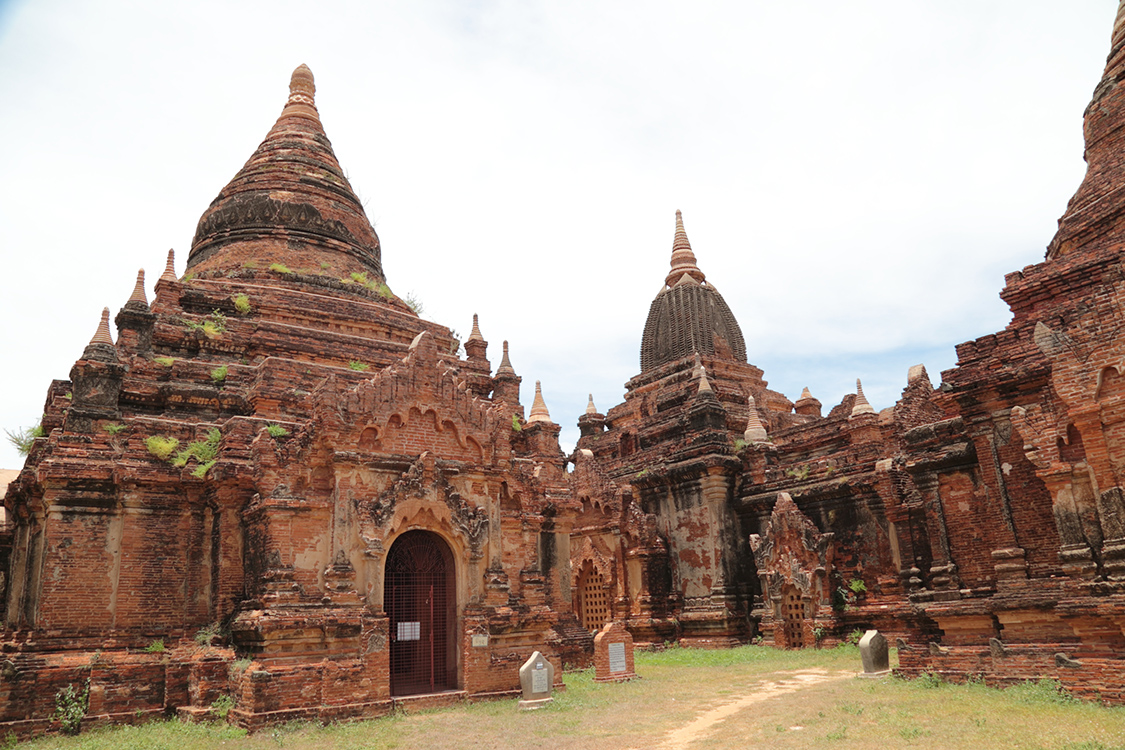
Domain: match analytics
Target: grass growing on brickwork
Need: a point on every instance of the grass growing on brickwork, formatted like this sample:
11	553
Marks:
687	698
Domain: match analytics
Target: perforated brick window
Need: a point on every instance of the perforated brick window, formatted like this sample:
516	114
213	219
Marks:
593	602
793	612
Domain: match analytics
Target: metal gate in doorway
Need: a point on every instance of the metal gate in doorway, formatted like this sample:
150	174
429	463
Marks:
420	600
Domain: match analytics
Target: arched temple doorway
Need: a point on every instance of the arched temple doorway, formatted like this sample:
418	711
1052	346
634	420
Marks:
421	601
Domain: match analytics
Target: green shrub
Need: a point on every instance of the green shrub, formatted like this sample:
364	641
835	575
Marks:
166	361
70	707
516	426
279	268
219	374
358	366
739	444
207	633
156	647
360	277
277	431
199	472
113	428
24	438
241	303
203	451
414	303
161	447
221	706
857	585
384	291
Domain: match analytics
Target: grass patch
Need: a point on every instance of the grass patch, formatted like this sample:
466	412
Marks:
279	268
214	327
162	447
165	361
358	366
678	686
203	451
277	431
219	374
156	647
114	428
241	303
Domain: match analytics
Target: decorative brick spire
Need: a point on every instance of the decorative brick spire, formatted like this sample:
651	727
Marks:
170	269
475	334
138	294
1093	216
538	407
505	367
101	336
683	259
755	430
861	404
302	95
590	408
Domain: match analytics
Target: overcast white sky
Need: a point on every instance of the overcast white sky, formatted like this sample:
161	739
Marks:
855	177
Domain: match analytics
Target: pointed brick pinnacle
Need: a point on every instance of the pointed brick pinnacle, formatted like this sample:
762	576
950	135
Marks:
683	259
505	367
302	95
861	404
101	336
538	407
474	335
806	393
755	430
169	269
704	383
138	294
590	408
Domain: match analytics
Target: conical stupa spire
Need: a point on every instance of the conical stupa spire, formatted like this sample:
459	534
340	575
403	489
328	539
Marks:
755	430
138	294
590	408
291	185
170	268
683	259
302	95
505	367
805	393
475	335
101	336
538	407
861	404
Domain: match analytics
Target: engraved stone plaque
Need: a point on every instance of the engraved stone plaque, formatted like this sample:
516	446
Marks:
617	657
539	681
480	640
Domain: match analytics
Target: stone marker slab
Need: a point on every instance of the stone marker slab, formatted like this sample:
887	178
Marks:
613	654
537	675
873	651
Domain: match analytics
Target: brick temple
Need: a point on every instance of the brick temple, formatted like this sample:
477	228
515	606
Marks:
279	488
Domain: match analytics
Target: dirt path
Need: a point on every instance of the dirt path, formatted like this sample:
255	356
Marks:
678	739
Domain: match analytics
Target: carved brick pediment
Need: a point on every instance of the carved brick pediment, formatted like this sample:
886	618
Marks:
592	554
421	403
426	481
792	552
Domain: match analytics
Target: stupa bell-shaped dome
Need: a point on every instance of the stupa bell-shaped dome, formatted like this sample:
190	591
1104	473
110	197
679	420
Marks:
688	315
289	204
